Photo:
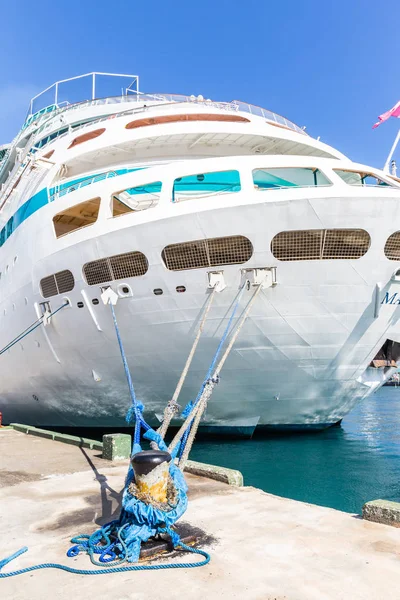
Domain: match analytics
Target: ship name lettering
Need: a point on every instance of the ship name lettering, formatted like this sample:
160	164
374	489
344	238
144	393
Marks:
392	299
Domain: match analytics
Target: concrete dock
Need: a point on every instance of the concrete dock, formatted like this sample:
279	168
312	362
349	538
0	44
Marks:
264	547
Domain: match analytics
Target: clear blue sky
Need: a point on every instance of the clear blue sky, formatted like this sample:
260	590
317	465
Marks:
330	66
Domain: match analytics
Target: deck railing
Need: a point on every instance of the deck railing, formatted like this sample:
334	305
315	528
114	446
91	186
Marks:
56	192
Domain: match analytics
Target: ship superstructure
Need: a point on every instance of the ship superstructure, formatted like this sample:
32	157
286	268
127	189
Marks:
152	194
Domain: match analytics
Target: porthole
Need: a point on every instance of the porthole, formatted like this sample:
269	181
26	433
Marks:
15	260
180	289
26	301
95	301
200	177
80	304
7	269
124	290
158	292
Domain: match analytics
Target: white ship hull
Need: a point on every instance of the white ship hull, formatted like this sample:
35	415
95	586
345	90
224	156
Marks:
302	358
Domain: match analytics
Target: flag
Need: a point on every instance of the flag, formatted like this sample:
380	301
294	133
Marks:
393	112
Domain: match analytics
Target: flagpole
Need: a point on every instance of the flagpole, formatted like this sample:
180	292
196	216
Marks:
393	148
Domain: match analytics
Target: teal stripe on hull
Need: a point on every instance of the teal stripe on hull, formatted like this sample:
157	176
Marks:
42	198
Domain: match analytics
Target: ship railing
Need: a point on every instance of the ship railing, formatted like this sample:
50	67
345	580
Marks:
268	115
235	106
58	192
164	99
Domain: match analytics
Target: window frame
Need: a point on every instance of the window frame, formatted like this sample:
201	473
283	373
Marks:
387	184
295	186
114	197
60	213
321	246
205	193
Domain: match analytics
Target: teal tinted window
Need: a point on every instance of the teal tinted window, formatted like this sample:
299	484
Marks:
148	188
140	197
285	177
362	179
205	184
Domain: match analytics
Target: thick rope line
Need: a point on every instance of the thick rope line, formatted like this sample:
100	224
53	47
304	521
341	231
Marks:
211	383
104	571
172	406
208	390
236	332
31	328
195	406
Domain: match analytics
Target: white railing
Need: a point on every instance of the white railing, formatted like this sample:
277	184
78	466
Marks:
58	193
268	115
234	106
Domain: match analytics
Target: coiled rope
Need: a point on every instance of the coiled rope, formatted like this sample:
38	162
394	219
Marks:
105	570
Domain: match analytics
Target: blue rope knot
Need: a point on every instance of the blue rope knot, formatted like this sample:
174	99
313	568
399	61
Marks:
187	410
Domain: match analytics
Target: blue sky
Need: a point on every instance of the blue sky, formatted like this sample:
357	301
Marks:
329	66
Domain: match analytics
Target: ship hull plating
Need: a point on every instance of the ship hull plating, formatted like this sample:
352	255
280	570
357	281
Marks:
300	360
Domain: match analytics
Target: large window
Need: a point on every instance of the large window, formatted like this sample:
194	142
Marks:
59	283
76	217
287	177
136	198
205	184
232	250
320	244
120	266
392	246
361	179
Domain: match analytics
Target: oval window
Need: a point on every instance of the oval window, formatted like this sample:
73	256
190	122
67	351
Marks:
90	135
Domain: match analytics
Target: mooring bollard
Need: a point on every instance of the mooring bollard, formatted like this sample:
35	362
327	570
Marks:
151	469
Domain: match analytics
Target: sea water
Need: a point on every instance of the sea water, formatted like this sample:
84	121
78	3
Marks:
341	467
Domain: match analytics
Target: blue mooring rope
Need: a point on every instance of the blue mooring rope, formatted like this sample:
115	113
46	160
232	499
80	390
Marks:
136	409
92	544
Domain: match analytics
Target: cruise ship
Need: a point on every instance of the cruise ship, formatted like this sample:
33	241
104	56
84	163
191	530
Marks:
161	197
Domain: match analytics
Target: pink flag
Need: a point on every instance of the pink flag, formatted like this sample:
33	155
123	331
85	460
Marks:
393	112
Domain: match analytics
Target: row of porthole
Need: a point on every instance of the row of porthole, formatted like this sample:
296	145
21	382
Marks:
14	306
157	292
294	245
8	268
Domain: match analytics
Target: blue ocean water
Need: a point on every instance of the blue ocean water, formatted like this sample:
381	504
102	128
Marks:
342	467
